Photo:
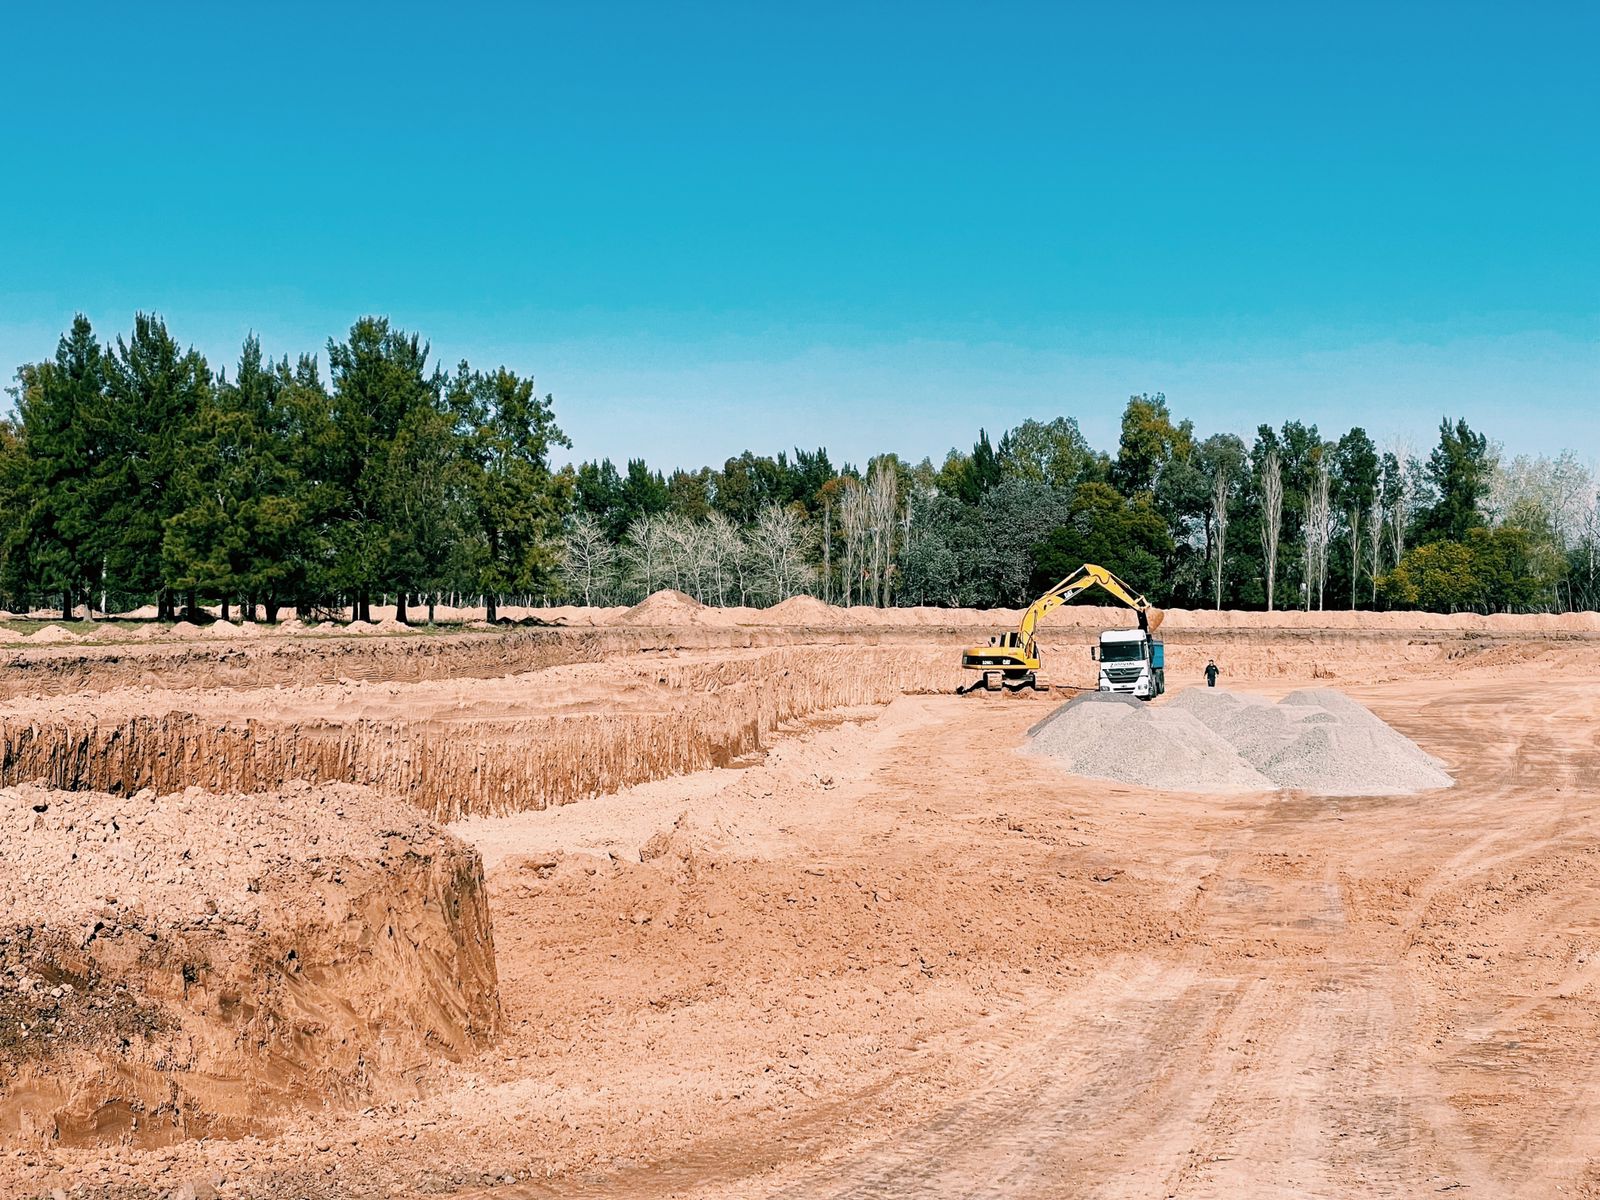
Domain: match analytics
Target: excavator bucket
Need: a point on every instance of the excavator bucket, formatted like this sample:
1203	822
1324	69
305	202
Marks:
1153	618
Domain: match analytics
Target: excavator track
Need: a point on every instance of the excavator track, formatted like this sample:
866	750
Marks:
1001	684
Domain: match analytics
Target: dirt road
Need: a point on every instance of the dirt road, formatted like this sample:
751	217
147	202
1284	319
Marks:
1343	998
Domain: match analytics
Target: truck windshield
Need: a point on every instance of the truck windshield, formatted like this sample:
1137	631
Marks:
1121	651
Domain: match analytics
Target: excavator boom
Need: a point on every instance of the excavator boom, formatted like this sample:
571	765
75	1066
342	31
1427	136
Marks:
1014	656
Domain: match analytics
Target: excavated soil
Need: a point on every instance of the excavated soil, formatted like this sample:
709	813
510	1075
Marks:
776	915
189	965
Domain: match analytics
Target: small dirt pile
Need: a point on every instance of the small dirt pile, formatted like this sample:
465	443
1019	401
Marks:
669	607
804	610
52	635
1315	740
187	965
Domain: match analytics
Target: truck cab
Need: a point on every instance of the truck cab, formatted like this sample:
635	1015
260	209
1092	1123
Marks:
1131	662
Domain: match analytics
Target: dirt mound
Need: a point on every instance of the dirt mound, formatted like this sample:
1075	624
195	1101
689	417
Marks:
669	607
1205	740
52	635
804	610
188	965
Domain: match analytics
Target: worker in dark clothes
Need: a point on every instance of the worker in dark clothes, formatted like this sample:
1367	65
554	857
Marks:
1212	671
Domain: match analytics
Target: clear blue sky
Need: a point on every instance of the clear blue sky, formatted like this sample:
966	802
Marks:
706	227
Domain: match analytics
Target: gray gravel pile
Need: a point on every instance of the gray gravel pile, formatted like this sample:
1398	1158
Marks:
1149	747
1204	740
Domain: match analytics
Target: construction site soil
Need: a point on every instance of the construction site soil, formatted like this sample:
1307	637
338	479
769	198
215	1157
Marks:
749	905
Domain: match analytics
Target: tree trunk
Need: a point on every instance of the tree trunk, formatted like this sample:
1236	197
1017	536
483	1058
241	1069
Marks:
66	604
272	612
432	596
492	609
363	607
400	599
192	604
224	608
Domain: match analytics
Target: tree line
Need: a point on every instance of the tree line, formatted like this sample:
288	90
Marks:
1289	519
132	472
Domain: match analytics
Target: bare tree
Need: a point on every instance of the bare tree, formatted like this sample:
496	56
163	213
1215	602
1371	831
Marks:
1400	514
645	550
854	519
1321	523
883	503
827	550
723	549
1219	525
1403	497
1375	542
1271	518
680	538
589	558
778	543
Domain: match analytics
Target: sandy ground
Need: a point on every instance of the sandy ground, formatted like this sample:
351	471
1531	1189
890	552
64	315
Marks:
897	958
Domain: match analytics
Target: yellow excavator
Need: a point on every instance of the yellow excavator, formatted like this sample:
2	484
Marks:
1132	661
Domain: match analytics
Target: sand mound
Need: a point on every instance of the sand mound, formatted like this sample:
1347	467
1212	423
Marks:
668	607
52	635
1204	740
223	629
804	610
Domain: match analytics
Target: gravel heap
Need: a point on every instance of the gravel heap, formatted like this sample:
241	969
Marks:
1206	740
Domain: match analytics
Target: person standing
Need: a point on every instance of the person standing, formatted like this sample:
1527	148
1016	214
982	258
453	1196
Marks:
1212	671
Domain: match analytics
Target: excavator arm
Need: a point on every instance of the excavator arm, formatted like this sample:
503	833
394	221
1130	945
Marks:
1085	577
1014	657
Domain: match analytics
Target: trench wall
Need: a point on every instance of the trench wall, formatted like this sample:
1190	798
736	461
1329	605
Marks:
717	712
706	714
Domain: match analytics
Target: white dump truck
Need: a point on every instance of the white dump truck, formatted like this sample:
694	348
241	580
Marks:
1132	661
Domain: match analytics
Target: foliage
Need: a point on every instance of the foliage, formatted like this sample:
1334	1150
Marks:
1127	537
1461	470
133	471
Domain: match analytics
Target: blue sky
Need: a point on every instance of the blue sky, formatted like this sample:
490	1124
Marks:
707	227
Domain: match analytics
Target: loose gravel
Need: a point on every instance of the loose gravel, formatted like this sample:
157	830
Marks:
1204	740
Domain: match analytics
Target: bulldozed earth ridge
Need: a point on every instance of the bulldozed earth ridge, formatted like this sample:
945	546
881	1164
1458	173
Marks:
1259	650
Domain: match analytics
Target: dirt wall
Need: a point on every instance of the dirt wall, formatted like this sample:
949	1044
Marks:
192	965
707	715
